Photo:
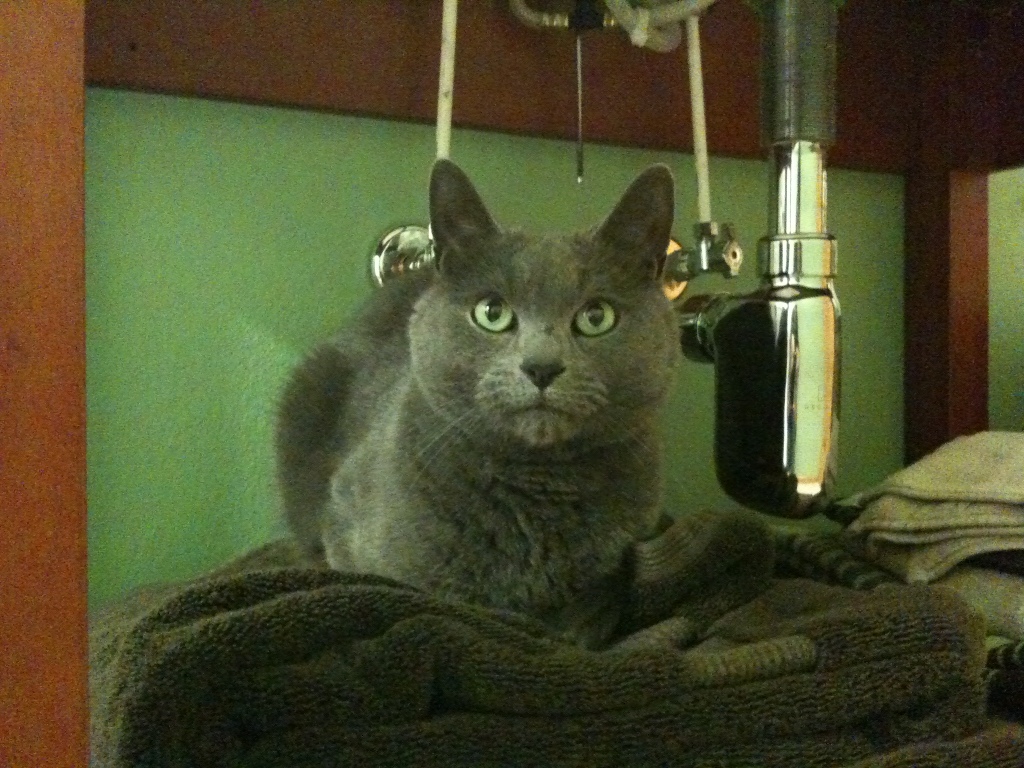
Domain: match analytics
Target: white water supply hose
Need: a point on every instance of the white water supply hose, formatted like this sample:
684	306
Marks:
700	131
657	28
446	78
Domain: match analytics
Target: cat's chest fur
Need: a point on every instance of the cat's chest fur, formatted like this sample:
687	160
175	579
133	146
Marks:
529	533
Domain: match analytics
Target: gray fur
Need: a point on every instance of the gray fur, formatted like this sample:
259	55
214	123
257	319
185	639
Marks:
415	445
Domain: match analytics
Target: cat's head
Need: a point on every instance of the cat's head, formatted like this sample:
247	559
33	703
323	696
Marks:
545	341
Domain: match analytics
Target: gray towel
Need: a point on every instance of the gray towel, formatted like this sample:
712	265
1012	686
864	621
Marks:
264	664
823	557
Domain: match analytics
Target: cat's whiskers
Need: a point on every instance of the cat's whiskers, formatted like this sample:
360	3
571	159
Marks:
632	438
437	443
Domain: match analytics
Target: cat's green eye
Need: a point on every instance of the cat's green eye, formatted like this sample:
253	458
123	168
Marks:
597	317
493	314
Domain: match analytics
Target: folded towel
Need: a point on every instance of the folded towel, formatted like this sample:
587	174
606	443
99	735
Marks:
974	753
965	499
264	664
924	563
999	597
984	467
1006	654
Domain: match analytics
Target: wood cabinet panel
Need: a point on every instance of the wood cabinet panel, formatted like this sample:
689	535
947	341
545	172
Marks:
381	58
43	711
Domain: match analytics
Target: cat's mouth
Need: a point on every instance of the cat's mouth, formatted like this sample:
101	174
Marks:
538	418
542	425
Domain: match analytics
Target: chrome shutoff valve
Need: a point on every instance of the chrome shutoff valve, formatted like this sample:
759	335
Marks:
715	250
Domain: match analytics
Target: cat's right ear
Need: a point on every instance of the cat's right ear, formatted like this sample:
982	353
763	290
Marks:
459	222
640	226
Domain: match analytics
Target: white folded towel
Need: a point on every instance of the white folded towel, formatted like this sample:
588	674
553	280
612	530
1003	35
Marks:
964	499
986	466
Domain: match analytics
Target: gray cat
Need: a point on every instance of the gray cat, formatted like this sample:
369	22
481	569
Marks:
488	430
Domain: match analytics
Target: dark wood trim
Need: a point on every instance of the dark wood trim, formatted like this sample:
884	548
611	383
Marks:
986	83
380	57
926	319
968	303
43	709
969	121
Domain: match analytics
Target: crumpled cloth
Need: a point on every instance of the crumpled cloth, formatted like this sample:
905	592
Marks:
719	663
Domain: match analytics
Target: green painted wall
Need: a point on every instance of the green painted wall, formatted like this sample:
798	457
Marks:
223	240
1006	289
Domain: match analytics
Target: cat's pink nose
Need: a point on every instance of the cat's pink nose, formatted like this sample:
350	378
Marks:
542	374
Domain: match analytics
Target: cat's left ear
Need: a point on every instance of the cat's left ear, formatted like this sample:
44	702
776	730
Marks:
640	225
459	221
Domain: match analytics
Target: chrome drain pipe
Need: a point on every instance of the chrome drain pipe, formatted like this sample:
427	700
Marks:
776	351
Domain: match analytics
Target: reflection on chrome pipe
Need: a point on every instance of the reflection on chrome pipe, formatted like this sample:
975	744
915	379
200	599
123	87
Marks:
780	456
797	196
776	351
777	355
777	399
